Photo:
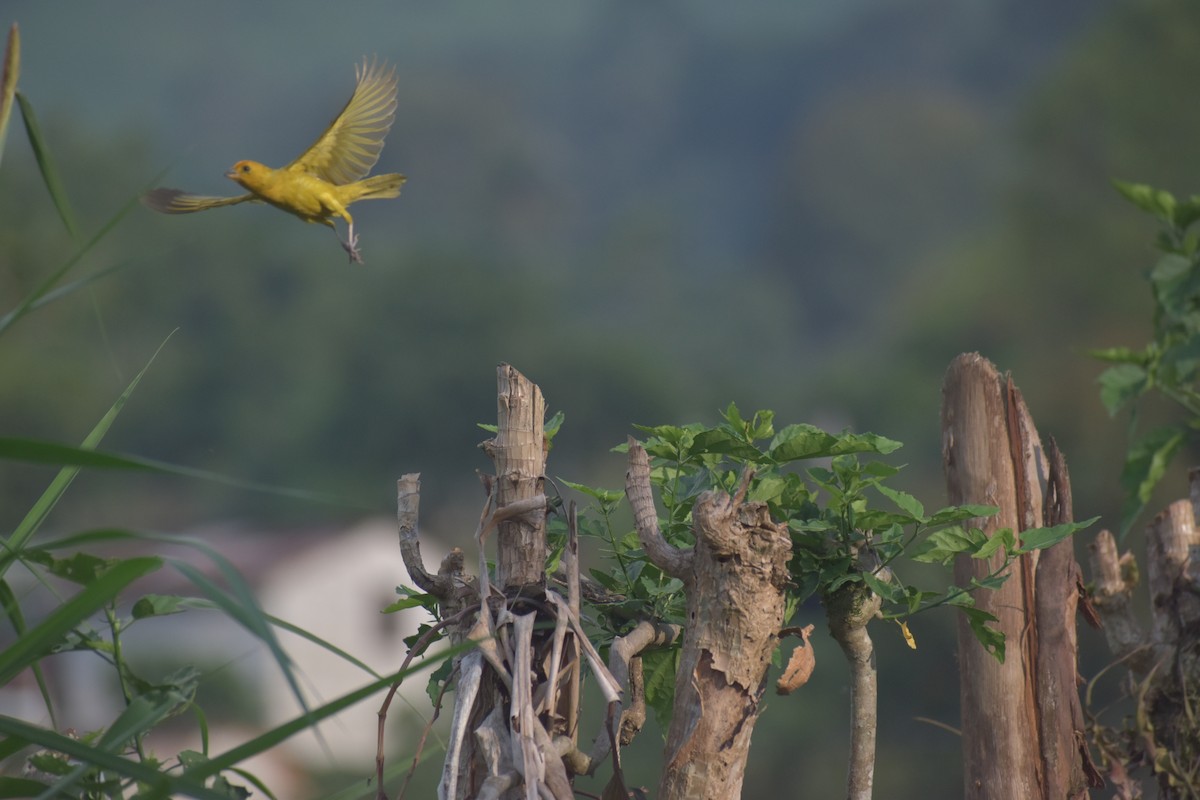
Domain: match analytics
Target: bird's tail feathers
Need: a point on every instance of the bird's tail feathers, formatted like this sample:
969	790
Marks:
379	187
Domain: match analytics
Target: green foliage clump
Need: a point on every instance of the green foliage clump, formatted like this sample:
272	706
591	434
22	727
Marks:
849	528
1169	364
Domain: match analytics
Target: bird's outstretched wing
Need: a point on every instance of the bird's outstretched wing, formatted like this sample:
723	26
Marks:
173	201
351	145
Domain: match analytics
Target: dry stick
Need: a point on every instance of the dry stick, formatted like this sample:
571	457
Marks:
408	503
556	648
574	677
623	659
416	649
470	676
437	708
526	754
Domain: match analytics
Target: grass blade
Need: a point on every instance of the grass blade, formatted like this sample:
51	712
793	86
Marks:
156	784
38	641
46	164
48	284
288	729
75	285
45	504
8	81
38	451
12	610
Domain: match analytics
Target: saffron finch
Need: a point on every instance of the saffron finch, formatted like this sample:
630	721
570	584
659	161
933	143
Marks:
328	177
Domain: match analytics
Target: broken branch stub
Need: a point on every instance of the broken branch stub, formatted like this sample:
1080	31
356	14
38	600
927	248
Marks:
519	453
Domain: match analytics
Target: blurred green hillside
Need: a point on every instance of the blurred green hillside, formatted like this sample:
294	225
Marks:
651	210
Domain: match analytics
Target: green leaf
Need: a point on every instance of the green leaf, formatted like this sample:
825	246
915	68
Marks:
1187	212
1153	201
991	639
658	671
437	679
940	547
146	711
41	154
889	590
606	497
905	502
52	630
81	568
803	441
952	514
552	426
734	417
723	442
417	601
158	605
1120	384
1000	541
1145	465
1041	538
1120	355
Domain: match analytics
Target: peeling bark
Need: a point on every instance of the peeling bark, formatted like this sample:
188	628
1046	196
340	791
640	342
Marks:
735	579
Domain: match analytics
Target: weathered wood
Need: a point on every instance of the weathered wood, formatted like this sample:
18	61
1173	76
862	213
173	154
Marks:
735	580
1067	767
519	453
1115	577
1001	758
1168	538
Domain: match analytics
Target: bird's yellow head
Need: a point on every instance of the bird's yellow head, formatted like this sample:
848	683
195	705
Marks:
249	174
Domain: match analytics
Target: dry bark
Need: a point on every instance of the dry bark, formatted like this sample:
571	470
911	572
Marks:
1067	766
734	578
514	730
1022	720
519	453
998	721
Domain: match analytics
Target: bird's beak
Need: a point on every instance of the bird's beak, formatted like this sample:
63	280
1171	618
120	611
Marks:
231	175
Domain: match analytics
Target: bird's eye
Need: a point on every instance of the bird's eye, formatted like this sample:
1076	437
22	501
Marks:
245	167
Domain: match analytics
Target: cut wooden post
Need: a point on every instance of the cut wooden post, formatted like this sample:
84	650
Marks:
999	722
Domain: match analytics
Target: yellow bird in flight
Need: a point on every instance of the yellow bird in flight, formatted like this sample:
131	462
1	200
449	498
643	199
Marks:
329	176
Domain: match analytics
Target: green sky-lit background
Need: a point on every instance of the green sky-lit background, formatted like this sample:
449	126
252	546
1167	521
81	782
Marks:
650	209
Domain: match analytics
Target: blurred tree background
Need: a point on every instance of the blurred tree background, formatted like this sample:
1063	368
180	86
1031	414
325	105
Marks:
650	209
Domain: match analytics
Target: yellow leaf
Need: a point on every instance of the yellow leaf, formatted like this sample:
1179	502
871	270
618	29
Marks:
908	637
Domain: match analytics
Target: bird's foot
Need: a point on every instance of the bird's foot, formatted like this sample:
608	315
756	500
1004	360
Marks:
350	245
